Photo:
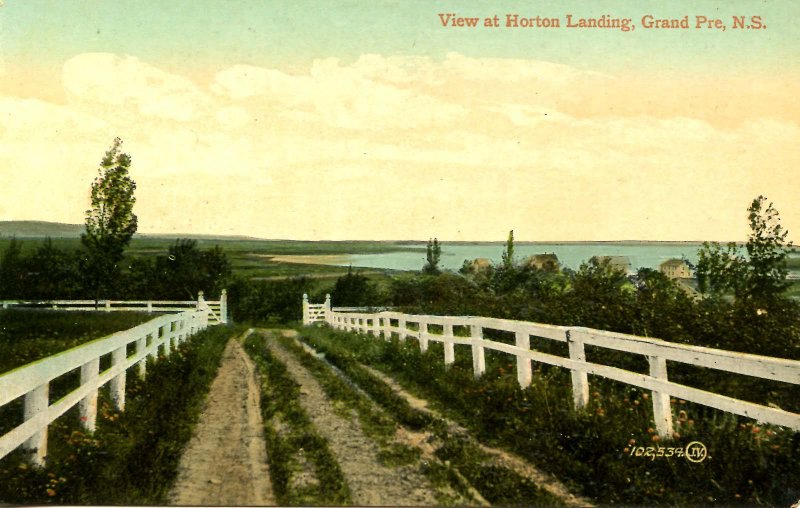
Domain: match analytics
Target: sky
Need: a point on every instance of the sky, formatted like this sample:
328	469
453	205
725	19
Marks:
371	120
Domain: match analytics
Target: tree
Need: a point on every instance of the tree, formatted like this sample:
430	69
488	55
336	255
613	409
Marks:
508	253
12	271
760	276
110	222
434	252
354	290
53	273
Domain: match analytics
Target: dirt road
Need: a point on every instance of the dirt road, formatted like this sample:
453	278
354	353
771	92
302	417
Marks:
371	483
225	462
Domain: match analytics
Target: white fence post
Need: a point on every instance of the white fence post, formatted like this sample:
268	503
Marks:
117	384
524	373
223	306
401	324
423	336
305	310
327	308
478	355
141	345
108	305
200	301
88	405
149	307
36	401
662	413
449	347
580	379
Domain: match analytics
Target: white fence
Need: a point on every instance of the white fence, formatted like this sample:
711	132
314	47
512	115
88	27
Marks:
656	351
32	381
218	309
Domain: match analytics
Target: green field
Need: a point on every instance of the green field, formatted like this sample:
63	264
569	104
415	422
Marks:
249	258
29	335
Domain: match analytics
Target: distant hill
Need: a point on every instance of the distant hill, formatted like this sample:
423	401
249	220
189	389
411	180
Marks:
39	229
42	229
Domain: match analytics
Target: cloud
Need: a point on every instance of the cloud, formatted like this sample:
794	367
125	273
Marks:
401	146
127	81
341	96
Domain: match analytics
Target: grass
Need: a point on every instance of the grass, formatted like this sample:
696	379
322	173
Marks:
132	457
291	438
590	450
29	335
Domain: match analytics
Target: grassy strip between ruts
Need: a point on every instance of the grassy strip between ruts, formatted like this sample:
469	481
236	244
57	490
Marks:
497	484
132	457
591	450
291	438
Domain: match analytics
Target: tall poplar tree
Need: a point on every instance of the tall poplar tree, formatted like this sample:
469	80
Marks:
110	222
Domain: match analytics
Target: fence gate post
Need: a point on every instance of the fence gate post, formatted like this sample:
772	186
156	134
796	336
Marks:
524	375
305	309
662	413
118	382
223	306
449	347
36	401
387	328
478	355
580	379
88	405
327	308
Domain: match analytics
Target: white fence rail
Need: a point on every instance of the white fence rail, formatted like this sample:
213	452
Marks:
32	381
657	352
217	308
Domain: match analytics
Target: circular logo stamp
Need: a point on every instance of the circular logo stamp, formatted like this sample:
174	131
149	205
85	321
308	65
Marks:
696	452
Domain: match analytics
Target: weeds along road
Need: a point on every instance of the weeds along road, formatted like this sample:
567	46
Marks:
329	443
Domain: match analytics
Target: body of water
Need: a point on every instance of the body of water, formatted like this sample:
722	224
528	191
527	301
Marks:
571	255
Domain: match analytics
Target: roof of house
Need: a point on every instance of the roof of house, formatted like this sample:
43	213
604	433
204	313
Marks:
673	262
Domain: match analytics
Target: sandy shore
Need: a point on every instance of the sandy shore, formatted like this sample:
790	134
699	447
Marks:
308	259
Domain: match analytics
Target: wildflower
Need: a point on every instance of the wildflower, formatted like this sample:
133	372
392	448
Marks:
632	442
656	438
51	492
645	396
650	430
756	430
626	450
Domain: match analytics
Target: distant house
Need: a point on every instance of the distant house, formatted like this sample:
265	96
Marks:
546	261
676	269
477	265
620	263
